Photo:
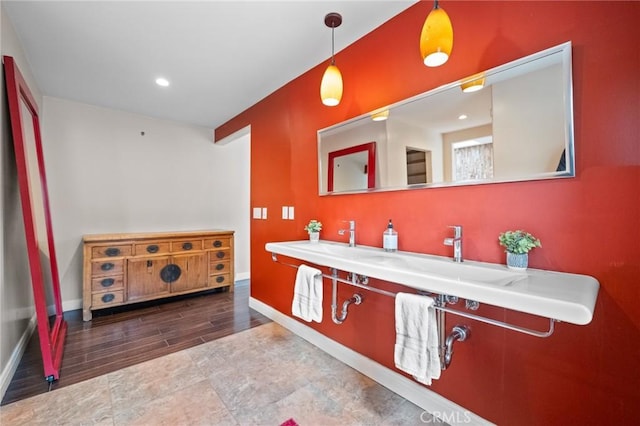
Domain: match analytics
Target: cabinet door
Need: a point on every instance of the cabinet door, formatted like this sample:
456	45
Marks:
193	274
143	278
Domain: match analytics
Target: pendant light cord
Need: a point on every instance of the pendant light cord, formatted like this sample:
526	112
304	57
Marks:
333	60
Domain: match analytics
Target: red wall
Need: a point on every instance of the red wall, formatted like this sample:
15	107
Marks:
588	225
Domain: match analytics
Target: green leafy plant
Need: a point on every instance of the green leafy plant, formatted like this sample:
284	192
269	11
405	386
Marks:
313	226
518	242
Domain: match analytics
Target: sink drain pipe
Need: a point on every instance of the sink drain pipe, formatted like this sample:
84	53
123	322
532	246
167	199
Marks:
355	299
459	333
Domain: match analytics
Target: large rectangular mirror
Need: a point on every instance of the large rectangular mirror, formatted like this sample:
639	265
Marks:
510	123
25	131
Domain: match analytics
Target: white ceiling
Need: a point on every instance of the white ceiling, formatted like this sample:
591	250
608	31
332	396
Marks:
221	57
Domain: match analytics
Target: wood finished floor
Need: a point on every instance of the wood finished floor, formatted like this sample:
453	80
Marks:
123	337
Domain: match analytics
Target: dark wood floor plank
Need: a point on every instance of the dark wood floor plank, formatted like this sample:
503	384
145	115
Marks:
123	337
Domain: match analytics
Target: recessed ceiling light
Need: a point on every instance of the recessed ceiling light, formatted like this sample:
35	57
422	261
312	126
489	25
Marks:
462	117
162	82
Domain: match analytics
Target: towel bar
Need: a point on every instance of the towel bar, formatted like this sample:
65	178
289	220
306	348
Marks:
439	306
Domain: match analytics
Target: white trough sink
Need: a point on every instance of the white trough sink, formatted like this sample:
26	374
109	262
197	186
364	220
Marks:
557	295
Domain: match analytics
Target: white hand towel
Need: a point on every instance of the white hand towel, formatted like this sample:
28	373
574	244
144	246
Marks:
307	294
416	349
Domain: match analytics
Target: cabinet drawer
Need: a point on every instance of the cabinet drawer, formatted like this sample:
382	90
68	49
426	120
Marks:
107	267
107	283
101	300
152	247
218	255
215	243
111	251
179	246
219	280
217	267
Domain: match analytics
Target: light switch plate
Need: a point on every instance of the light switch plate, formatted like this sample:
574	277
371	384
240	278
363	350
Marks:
264	212
291	212
257	213
285	212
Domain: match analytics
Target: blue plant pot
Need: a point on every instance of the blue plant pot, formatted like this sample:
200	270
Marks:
518	262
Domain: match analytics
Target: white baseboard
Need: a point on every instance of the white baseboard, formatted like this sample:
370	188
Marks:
71	305
14	360
424	398
242	276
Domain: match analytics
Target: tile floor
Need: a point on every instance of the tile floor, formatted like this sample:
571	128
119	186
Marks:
262	376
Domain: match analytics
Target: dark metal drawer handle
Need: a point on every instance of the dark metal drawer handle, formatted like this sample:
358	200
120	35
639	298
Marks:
112	251
217	243
219	279
107	282
107	266
187	246
108	297
220	254
152	248
220	266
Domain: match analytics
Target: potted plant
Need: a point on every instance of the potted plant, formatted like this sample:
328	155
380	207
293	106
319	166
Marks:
517	245
313	228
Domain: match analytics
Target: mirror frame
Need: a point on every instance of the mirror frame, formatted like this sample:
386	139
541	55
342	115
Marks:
51	333
564	49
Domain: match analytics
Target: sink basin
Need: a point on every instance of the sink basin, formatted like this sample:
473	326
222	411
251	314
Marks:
561	296
441	267
453	271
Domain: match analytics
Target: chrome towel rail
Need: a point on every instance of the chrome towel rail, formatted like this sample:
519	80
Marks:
502	324
438	306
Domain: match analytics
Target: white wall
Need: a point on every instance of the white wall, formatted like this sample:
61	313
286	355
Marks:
525	135
105	176
16	295
403	135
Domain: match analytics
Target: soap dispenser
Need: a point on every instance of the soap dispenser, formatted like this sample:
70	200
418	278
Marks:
390	238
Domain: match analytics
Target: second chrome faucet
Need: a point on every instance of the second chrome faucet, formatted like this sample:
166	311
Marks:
456	242
352	232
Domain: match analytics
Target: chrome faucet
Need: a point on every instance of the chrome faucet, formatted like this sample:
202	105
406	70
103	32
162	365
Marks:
352	232
456	242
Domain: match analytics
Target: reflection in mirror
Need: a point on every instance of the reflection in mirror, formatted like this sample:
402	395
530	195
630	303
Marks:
25	130
511	123
37	206
352	168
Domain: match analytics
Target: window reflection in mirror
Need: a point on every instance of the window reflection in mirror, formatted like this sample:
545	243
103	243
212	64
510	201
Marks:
518	126
473	159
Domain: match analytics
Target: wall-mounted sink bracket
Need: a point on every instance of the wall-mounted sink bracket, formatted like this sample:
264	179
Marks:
490	321
472	305
357	278
458	333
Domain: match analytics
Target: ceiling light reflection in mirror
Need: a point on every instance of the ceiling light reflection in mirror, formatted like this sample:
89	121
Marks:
518	126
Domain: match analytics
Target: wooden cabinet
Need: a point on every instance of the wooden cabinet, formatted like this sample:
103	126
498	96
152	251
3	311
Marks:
120	269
